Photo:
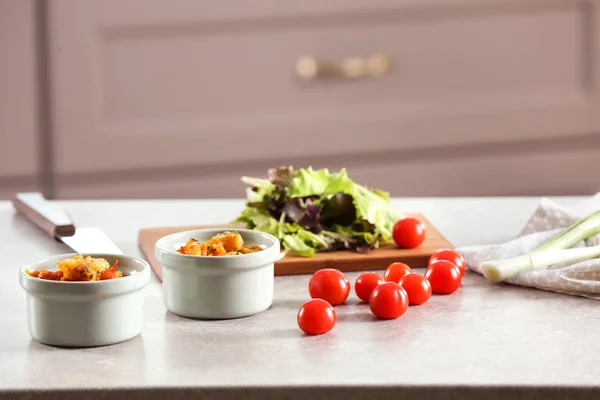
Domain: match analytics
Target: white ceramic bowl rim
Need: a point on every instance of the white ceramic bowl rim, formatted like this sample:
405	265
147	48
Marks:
127	283
166	249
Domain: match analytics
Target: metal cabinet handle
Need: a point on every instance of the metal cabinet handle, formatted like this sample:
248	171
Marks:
310	68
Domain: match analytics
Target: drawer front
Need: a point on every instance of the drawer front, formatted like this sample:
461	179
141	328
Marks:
247	71
189	91
519	173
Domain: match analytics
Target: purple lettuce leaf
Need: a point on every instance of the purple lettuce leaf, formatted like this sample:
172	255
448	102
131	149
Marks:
305	214
311	218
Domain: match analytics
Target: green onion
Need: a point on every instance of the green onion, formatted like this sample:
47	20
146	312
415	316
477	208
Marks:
550	253
551	257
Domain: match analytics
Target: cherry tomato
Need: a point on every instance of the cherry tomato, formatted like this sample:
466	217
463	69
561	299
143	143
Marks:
409	232
449	255
388	301
395	272
330	285
365	284
444	277
316	316
417	288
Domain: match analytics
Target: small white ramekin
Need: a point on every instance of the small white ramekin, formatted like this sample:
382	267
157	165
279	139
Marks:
86	314
224	287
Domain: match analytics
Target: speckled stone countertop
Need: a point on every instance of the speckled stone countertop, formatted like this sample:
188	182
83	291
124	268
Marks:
485	341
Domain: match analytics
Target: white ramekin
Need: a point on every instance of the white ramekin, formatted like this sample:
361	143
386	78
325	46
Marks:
86	314
217	287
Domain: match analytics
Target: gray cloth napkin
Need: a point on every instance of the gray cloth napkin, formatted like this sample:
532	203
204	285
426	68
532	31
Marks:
580	279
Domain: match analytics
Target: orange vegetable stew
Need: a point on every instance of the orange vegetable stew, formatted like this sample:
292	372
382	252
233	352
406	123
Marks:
78	268
221	244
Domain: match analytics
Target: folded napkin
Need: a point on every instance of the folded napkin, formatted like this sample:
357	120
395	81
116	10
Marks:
580	279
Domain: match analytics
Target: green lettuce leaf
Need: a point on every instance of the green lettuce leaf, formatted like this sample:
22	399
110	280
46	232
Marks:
258	182
305	242
309	182
315	240
259	219
263	188
347	231
296	244
377	210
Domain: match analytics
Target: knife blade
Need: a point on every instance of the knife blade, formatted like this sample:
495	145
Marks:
49	217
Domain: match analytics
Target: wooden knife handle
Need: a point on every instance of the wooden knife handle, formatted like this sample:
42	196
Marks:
46	215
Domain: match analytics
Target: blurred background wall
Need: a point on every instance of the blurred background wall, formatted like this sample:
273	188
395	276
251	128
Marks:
179	98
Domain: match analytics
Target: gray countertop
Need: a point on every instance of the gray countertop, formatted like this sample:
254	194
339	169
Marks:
485	339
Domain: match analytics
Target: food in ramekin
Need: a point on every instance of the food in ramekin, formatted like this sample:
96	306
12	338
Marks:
222	244
78	268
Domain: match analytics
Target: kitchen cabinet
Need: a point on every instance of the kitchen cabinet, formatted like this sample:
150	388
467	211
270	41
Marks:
178	99
18	118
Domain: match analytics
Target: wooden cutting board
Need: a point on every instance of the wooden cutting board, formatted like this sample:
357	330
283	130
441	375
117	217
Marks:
342	260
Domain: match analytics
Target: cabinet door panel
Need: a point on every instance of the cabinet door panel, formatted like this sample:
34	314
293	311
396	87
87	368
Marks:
18	119
184	87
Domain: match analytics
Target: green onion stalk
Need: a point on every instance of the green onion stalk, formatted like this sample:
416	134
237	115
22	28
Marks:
555	251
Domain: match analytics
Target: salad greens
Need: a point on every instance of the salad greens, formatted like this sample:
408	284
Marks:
314	210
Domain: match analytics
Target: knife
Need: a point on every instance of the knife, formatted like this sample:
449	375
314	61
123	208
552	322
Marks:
49	217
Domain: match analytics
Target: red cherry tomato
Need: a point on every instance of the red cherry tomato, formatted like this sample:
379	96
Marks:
396	271
388	301
417	288
449	255
409	232
444	277
365	284
330	285
316	316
